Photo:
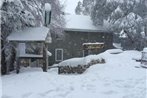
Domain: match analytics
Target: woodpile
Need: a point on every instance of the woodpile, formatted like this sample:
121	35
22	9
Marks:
70	70
98	61
78	69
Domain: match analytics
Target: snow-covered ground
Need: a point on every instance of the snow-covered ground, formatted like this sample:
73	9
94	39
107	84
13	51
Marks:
117	78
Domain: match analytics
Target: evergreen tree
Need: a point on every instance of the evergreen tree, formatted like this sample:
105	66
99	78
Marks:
127	15
79	8
87	6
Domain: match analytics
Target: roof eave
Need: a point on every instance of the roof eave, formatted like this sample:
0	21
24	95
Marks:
85	30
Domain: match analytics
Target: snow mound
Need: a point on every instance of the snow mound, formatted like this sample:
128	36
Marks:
114	51
73	62
145	49
117	45
85	60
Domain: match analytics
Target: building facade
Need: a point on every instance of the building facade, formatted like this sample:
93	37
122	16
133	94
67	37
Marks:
71	45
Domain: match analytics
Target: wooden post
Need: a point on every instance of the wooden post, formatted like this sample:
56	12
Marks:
7	67
45	66
17	59
17	65
46	46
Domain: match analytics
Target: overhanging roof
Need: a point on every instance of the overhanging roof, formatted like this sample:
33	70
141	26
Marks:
29	34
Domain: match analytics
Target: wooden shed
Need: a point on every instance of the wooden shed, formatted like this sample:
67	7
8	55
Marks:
32	35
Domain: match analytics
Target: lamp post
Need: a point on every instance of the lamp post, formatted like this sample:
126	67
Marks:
47	14
47	21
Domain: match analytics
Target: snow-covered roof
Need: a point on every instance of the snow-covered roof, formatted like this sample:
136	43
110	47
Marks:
96	43
29	34
80	23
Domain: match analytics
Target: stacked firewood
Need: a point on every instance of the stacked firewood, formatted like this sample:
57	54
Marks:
98	61
78	69
72	69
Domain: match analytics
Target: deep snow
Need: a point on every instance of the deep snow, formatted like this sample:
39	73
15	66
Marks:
117	78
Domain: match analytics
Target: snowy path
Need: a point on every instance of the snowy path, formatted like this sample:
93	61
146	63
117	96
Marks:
118	78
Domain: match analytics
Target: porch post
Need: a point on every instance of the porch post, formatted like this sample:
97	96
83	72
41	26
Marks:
46	48
17	58
45	63
17	65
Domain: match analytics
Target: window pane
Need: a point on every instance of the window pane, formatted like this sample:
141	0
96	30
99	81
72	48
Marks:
59	54
34	48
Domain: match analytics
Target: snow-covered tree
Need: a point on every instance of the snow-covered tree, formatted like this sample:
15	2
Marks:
102	11
87	6
126	15
84	7
79	8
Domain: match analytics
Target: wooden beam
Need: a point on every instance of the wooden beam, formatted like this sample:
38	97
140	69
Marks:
28	41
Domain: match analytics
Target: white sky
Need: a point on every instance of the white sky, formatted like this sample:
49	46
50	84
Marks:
70	5
1	2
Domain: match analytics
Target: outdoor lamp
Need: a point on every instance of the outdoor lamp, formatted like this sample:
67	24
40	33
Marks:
47	16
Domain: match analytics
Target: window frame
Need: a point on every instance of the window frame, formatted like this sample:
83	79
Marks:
58	49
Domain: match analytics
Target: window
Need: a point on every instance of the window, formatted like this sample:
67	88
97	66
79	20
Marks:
34	48
86	52
59	54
